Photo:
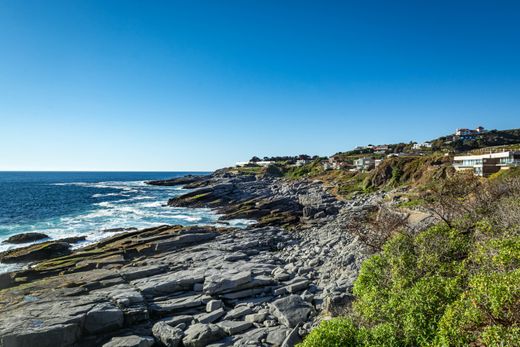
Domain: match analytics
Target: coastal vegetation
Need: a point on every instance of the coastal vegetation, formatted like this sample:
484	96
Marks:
456	283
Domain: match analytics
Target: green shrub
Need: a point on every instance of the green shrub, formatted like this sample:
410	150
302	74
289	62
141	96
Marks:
337	332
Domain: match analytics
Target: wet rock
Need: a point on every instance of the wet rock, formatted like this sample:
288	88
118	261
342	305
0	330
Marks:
117	230
169	336
177	181
26	237
130	341
41	251
73	239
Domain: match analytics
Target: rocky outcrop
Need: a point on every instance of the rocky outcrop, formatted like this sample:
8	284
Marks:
267	200
197	286
26	238
41	251
178	181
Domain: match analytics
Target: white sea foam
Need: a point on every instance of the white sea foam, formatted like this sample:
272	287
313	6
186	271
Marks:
140	206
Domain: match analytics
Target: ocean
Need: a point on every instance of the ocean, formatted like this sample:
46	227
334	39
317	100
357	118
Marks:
63	204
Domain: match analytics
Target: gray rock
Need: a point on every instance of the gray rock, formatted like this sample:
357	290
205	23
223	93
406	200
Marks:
179	303
234	327
176	320
238	312
103	318
292	339
130	341
290	310
167	335
256	317
56	335
219	283
276	336
213	305
200	335
211	316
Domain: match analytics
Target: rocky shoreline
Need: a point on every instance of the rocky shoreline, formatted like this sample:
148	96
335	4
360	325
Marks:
266	285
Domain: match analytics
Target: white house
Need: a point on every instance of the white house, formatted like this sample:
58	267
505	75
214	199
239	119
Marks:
419	146
364	164
487	164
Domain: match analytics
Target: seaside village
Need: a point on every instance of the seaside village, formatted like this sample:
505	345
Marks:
483	162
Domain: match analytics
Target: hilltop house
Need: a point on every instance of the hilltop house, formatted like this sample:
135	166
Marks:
364	164
419	146
264	163
487	164
466	134
302	162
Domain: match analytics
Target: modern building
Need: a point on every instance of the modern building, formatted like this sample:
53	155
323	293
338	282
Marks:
487	164
464	134
364	164
419	146
302	162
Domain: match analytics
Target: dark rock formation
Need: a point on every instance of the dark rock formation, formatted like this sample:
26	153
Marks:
26	238
178	181
41	251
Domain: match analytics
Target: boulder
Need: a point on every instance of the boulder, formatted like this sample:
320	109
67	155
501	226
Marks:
130	341
26	237
200	335
168	336
213	305
291	310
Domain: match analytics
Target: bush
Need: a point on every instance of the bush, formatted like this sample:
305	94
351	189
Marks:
337	332
444	286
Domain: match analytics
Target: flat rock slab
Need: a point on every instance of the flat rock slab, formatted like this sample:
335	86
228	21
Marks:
219	283
234	327
211	316
130	341
180	303
291	310
169	283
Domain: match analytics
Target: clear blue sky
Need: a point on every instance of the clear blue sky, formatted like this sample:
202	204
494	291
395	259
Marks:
197	85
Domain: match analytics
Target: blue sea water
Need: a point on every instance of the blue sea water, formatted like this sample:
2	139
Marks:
63	204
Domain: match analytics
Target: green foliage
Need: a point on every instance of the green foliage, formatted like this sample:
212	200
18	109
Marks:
338	332
440	287
312	169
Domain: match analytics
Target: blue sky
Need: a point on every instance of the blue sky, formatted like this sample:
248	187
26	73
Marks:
197	85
